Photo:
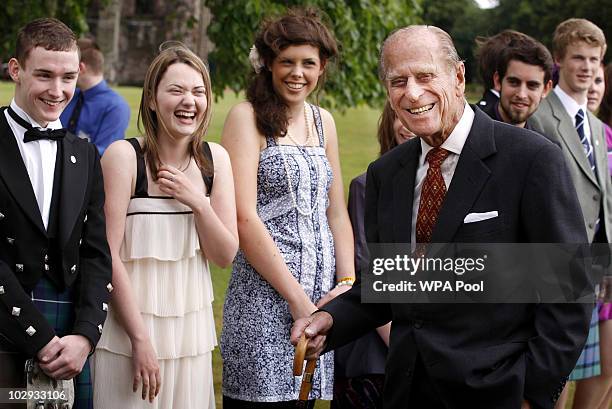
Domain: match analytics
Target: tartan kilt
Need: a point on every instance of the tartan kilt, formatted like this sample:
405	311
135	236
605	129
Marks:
589	364
58	308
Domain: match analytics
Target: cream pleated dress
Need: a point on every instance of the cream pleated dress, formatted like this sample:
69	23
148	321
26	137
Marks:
172	285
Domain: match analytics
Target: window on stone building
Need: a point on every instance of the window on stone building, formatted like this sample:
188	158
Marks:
144	7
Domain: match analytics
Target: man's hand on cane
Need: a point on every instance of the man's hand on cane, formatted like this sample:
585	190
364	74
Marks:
316	328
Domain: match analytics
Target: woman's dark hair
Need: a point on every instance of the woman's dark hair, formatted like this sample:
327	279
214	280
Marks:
298	27
386	133
605	109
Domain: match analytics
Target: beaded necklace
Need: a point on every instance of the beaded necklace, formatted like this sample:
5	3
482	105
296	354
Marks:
300	147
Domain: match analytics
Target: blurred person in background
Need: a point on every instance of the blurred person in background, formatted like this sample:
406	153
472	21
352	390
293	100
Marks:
523	79
488	51
96	113
360	365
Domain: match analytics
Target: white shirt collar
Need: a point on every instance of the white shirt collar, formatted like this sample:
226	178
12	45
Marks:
569	103
494	92
456	140
57	124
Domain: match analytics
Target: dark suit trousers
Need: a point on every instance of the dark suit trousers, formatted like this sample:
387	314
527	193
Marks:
423	394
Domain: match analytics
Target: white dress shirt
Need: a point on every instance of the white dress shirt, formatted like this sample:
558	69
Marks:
39	159
572	107
454	144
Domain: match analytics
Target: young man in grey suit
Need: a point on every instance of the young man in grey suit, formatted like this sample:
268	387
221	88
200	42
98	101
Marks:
465	179
578	48
563	117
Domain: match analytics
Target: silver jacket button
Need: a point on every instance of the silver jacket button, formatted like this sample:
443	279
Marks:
104	306
1	289
31	330
1	216
16	311
19	268
10	240
109	287
46	267
73	269
100	328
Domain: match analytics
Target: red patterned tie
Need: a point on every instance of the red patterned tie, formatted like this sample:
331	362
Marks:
432	195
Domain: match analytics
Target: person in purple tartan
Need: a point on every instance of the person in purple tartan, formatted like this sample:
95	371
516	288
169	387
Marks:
55	266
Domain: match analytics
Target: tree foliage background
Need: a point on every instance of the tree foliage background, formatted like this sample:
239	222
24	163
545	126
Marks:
538	18
16	13
462	19
359	25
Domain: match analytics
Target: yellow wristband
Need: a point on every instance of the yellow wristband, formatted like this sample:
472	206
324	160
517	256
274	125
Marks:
345	281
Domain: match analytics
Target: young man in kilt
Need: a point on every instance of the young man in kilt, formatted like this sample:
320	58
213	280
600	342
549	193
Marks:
55	266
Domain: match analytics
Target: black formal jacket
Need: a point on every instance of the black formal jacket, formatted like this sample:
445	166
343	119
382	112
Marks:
487	103
477	356
83	262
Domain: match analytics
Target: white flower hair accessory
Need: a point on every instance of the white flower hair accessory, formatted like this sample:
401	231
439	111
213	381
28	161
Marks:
256	60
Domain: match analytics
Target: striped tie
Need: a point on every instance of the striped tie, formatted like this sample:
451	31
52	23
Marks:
588	148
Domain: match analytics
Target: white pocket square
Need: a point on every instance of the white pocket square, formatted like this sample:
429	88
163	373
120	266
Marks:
478	217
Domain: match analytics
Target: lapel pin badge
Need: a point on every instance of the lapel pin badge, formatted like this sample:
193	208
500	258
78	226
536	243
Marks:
72	159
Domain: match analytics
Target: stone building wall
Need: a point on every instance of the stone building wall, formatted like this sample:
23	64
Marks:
129	32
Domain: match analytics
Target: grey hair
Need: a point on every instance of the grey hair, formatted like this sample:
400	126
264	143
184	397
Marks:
447	48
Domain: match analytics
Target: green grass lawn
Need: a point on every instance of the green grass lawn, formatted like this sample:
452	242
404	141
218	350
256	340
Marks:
358	147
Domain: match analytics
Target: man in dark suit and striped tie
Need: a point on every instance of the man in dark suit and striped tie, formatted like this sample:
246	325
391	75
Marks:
465	179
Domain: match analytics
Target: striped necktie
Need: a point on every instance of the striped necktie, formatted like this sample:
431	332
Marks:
588	148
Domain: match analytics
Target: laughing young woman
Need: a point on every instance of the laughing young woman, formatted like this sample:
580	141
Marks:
296	246
165	221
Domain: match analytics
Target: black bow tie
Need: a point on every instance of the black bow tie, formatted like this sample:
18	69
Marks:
35	134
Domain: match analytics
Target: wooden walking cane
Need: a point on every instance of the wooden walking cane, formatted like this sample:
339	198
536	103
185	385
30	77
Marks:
298	366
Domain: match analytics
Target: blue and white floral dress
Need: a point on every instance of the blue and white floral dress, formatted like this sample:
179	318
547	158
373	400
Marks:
257	354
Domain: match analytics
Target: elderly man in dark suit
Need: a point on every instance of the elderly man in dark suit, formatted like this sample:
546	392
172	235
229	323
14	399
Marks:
466	178
55	266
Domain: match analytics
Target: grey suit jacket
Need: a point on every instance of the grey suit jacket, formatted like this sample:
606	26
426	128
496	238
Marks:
552	120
